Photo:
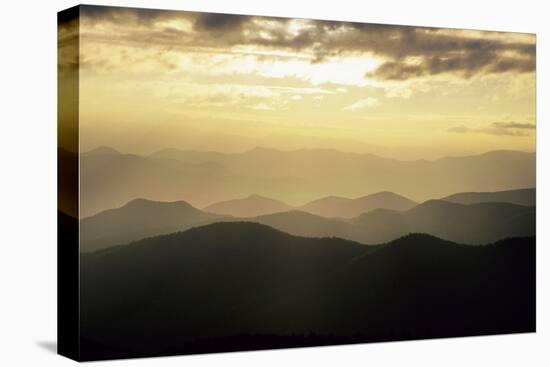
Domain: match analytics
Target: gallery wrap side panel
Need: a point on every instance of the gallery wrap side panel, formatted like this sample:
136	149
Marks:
68	184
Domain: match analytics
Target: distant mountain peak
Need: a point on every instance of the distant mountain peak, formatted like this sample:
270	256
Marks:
139	201
336	206
383	193
262	149
142	202
250	206
506	151
139	218
523	196
331	198
258	197
293	213
103	150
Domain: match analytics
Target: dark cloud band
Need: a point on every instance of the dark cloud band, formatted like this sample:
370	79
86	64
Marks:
409	52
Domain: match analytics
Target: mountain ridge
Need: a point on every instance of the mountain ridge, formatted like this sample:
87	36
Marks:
334	206
293	177
473	224
175	151
139	218
301	286
525	196
250	206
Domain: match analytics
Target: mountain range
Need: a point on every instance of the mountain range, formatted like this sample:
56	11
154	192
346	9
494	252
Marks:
526	197
330	207
140	218
250	206
192	291
160	276
334	206
472	224
110	179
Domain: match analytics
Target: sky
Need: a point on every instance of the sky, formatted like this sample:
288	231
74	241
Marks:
152	79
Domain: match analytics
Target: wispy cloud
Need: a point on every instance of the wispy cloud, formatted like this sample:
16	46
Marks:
514	125
497	128
363	104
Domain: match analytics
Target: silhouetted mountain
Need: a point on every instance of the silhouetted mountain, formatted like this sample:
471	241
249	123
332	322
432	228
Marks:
470	224
138	219
110	180
526	197
189	156
102	151
477	223
300	223
334	206
231	286
250	206
329	207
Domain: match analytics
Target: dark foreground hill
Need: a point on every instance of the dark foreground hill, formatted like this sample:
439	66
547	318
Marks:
242	286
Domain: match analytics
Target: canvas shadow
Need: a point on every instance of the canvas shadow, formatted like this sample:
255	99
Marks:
48	345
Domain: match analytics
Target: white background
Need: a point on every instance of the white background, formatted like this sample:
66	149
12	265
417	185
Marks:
28	184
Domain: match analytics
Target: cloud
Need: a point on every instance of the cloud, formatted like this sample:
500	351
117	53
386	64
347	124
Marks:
219	22
496	128
405	52
514	125
67	43
363	104
464	65
98	14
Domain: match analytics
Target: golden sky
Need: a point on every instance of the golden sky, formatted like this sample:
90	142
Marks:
156	79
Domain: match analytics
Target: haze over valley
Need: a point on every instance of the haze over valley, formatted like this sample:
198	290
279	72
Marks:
110	179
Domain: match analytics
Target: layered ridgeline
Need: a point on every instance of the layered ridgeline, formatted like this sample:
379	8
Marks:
334	206
250	206
138	219
471	224
192	291
330	207
110	179
527	197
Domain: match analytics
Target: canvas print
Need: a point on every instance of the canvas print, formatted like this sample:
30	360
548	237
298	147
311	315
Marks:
234	182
